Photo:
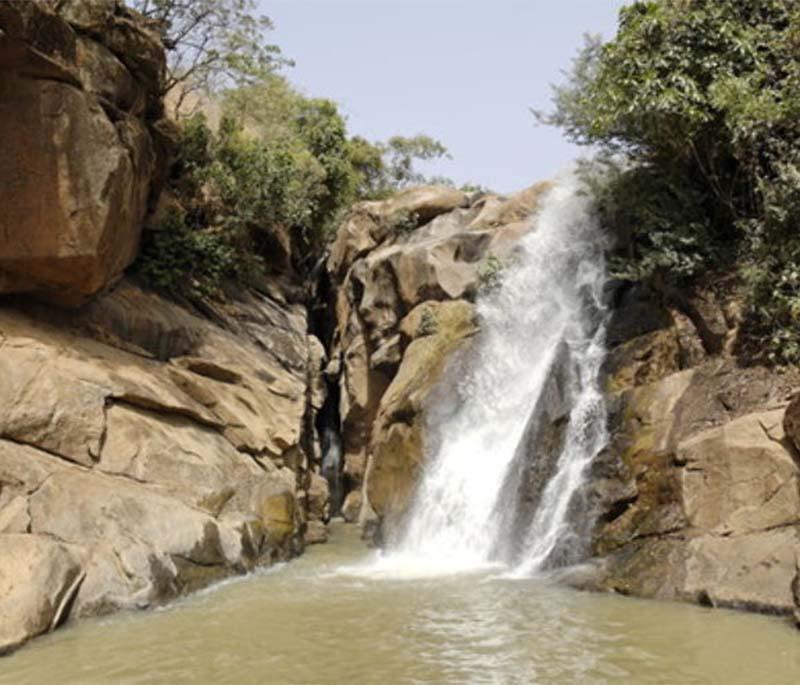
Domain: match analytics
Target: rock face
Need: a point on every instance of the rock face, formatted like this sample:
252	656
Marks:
403	274
38	579
146	449
80	83
700	488
145	452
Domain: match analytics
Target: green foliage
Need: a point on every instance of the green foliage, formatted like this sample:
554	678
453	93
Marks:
272	182
701	98
384	168
297	154
212	44
400	155
490	274
427	324
186	262
331	169
369	167
662	218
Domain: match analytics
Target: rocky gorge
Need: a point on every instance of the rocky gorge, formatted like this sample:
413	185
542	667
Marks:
151	446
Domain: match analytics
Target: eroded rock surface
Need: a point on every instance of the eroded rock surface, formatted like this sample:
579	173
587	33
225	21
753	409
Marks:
80	85
149	475
700	487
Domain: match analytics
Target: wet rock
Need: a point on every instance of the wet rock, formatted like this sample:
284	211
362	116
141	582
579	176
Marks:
536	458
316	533
318	498
351	509
397	439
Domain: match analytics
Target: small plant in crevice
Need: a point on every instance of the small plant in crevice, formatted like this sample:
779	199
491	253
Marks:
402	223
427	324
490	274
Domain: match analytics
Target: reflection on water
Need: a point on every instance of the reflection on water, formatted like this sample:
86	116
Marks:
308	623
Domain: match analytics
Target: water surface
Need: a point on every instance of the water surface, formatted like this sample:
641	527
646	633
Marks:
309	623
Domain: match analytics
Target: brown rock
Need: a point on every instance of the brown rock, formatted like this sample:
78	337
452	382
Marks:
750	572
740	478
791	421
371	223
75	179
316	533
796	590
70	222
495	211
397	441
643	360
713	515
318	498
351	509
38	579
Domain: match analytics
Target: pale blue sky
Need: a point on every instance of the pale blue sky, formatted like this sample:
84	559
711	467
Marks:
463	71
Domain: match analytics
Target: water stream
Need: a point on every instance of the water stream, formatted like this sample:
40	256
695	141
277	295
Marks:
541	344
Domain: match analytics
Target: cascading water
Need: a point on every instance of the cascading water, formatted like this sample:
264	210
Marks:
541	326
332	468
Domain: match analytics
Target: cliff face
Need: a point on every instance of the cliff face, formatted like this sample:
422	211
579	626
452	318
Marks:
174	452
146	449
700	487
83	143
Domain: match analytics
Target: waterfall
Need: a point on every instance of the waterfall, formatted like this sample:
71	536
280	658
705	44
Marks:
508	453
332	468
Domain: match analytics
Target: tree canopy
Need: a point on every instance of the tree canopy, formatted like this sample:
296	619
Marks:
695	106
271	181
212	44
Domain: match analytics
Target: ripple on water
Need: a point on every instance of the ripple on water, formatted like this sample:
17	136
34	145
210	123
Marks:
316	621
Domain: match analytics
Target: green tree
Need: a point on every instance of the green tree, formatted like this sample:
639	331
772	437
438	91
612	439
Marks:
401	154
266	190
695	106
212	44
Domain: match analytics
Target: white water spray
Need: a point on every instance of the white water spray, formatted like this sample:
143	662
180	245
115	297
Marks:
548	298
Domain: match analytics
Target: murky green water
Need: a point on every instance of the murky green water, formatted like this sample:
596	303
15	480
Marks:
305	623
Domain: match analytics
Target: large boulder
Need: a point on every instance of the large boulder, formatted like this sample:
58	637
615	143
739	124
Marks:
698	493
437	330
708	503
370	223
38	579
75	178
